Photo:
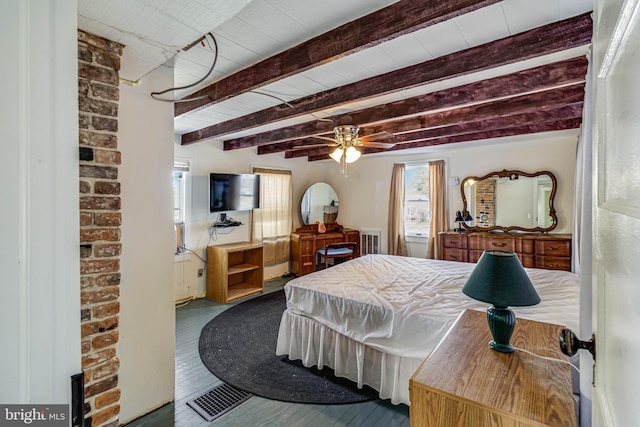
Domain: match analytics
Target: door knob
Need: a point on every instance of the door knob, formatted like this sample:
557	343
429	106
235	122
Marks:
570	343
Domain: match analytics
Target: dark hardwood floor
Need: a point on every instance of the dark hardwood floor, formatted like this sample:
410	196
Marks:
194	379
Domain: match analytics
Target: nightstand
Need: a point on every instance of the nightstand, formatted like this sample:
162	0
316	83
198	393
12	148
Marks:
464	383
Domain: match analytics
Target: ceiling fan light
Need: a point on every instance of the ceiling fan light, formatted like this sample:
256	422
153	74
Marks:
352	154
336	154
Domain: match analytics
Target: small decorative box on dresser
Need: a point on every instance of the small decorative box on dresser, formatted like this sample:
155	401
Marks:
549	251
464	383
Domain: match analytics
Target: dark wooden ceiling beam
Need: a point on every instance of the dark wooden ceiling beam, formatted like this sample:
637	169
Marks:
539	78
566	34
524	129
535	79
502	107
385	24
543	115
481	111
554	125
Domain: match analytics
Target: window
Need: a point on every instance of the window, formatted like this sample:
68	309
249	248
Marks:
272	222
178	196
180	170
417	211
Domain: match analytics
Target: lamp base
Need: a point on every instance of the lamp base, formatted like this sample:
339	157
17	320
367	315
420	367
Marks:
501	321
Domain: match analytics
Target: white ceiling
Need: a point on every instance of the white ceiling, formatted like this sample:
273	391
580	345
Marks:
248	31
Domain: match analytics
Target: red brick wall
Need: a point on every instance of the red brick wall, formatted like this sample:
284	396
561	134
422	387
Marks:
485	202
100	220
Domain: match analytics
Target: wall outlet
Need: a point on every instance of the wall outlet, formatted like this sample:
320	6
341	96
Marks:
200	272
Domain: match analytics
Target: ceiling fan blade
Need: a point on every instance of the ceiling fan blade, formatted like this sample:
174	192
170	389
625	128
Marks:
305	147
378	135
324	137
376	144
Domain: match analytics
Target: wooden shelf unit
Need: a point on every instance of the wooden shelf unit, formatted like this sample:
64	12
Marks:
464	383
234	271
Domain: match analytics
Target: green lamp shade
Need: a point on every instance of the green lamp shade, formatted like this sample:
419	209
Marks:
499	279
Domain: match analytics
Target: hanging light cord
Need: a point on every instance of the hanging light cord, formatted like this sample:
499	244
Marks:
290	105
213	64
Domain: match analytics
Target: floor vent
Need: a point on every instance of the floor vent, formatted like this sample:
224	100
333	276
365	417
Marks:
218	401
370	241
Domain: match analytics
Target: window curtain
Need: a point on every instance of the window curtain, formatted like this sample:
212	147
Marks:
272	222
438	200
582	239
395	225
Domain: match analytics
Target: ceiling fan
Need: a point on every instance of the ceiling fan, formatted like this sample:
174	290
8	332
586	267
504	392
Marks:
346	140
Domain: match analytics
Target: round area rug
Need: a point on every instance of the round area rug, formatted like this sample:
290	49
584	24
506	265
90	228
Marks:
238	346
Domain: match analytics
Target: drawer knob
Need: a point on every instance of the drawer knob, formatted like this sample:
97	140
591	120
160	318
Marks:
553	248
499	245
453	256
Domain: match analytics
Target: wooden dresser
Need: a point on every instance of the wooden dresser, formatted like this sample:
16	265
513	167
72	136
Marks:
549	251
463	383
307	240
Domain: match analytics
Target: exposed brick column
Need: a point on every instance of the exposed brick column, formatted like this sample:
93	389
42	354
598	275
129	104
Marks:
100	220
486	202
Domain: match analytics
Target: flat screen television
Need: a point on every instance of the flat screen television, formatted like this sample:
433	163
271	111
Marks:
233	192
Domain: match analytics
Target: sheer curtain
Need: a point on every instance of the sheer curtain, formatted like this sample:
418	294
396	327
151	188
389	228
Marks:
272	222
582	240
395	224
438	200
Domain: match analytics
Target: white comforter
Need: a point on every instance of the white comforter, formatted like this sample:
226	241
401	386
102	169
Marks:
403	306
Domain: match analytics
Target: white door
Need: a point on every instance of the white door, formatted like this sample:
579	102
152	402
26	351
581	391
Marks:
616	234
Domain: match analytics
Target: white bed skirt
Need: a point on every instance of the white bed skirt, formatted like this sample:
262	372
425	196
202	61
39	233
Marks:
318	345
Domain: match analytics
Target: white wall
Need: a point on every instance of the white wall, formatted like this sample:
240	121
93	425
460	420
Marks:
364	194
147	315
206	157
39	255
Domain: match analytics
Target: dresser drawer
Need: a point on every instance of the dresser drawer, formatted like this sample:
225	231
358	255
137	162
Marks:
454	254
527	260
553	263
306	247
475	254
497	244
553	247
528	246
454	241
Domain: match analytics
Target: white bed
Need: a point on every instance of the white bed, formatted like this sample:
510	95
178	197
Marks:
374	319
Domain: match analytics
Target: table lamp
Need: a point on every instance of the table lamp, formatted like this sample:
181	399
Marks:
459	220
499	279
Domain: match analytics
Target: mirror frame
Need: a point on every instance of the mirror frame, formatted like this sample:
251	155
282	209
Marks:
506	174
302	221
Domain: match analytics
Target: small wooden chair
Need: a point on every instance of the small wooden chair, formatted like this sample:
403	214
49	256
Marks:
338	252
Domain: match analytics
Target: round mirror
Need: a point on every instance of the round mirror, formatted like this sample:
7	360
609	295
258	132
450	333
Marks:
319	203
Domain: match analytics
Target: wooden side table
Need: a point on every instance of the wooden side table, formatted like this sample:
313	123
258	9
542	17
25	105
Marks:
464	383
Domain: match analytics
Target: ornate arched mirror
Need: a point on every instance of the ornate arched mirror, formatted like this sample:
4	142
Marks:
510	200
319	204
